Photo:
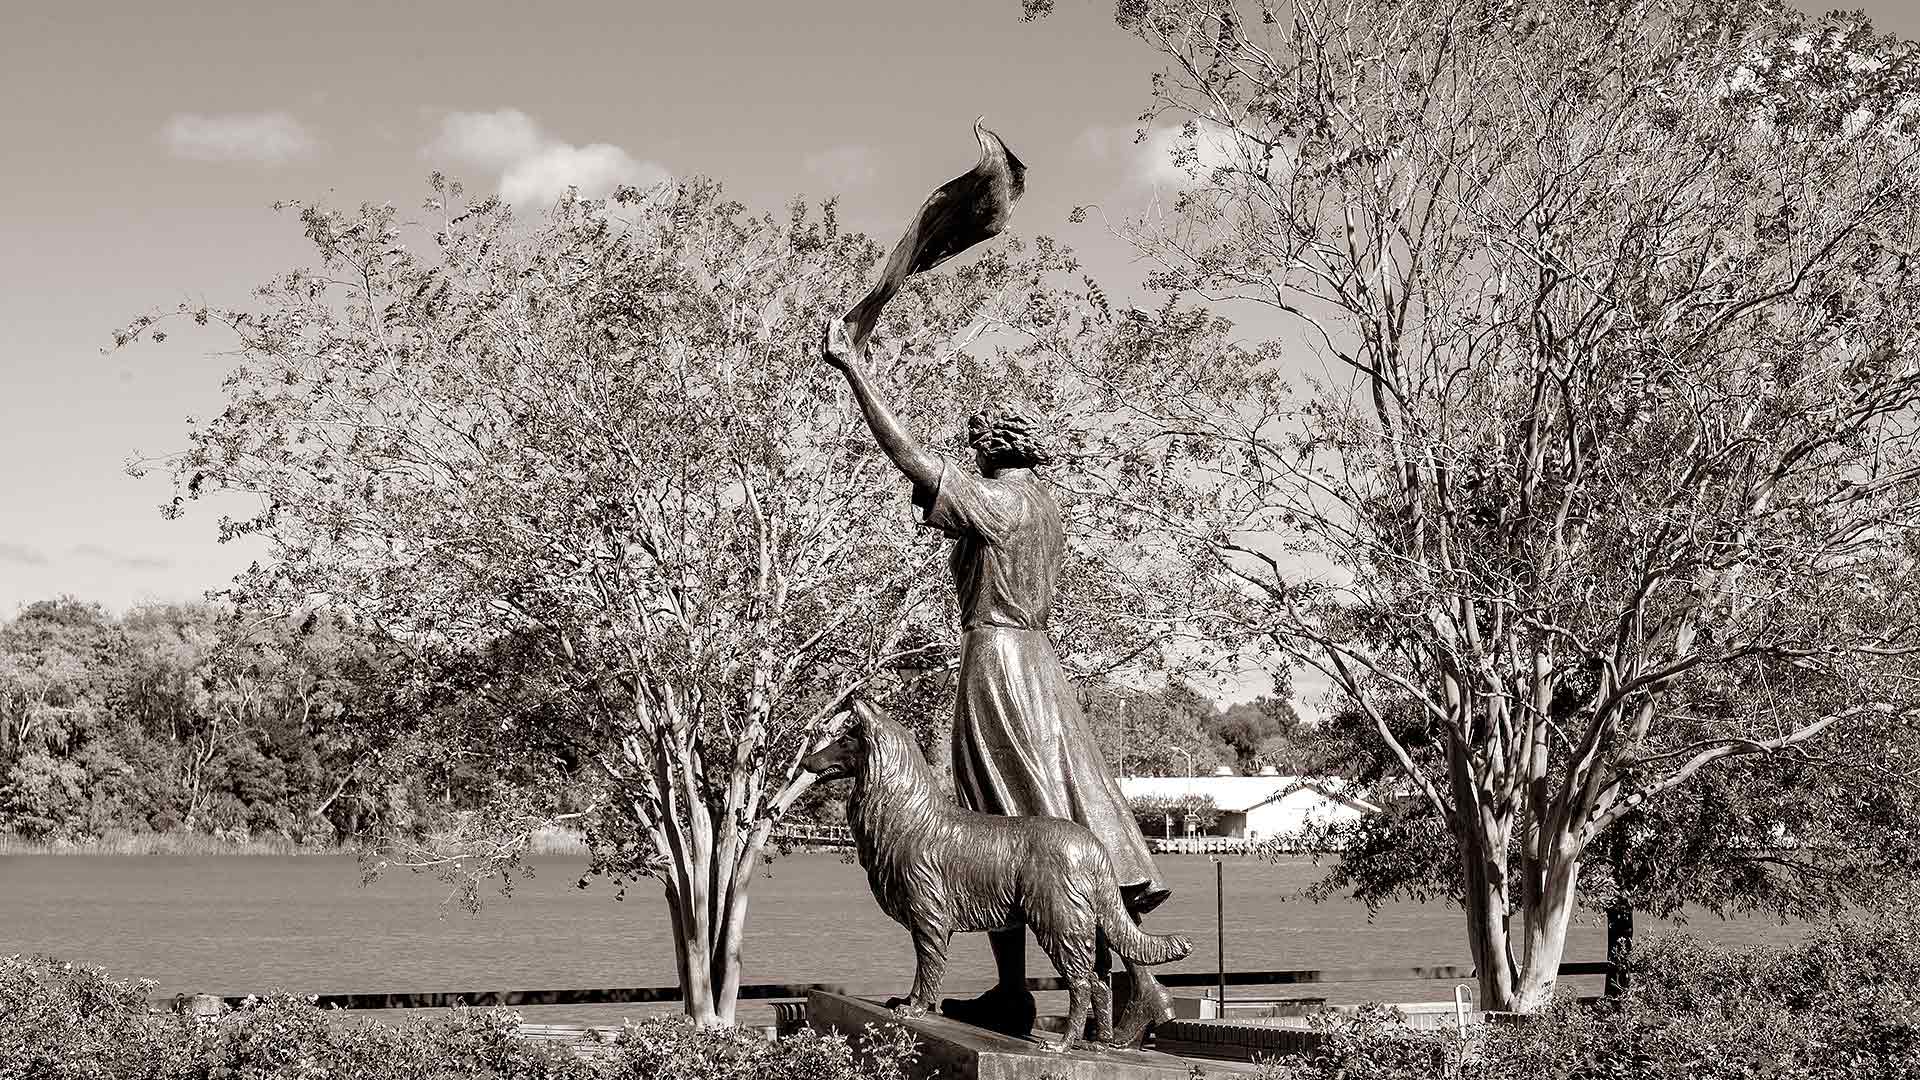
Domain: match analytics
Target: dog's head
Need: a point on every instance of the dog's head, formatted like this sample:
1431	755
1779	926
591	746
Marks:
847	754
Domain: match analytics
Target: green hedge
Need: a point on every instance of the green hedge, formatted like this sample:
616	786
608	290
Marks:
68	1022
1842	1005
1150	813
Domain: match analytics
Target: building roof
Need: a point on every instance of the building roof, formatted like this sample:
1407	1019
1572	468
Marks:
1237	794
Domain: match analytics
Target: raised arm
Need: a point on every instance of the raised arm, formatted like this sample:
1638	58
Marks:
895	441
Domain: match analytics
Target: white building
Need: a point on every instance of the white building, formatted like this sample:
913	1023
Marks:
1254	807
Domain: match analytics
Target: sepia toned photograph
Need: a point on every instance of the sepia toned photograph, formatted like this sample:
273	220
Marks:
966	540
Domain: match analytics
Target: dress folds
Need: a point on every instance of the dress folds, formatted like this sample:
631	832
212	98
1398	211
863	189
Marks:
1020	743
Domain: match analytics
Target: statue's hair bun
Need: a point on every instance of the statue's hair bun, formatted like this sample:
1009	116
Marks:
1007	436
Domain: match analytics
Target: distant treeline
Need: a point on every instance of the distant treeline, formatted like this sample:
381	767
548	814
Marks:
183	718
180	717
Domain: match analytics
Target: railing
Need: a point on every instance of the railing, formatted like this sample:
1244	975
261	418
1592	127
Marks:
808	832
823	835
1199	845
790	991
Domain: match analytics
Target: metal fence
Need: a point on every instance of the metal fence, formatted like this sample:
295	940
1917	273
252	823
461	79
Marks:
441	999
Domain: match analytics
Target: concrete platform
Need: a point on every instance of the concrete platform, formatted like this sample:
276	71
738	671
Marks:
951	1050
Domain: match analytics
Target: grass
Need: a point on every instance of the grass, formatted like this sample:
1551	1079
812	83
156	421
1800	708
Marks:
117	842
173	843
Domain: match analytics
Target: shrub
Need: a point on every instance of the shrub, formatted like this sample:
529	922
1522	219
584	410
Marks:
65	1022
673	1046
1369	1044
1844	1003
1150	812
69	1022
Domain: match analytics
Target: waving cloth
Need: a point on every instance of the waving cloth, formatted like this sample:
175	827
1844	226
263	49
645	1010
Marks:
965	210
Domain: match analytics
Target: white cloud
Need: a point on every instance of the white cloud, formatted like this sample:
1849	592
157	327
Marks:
533	168
595	169
265	138
495	139
842	167
1157	160
1104	143
22	554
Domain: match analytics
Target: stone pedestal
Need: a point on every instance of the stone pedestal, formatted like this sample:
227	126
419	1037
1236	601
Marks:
951	1050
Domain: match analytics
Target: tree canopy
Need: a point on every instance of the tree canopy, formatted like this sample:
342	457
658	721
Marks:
589	476
1612	474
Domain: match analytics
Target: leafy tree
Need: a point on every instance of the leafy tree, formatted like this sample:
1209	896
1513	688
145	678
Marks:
1168	815
1154	732
1618	307
51	659
1262	733
1816	831
55	694
592	480
180	717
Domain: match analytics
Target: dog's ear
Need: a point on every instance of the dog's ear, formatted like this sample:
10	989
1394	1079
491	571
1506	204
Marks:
865	713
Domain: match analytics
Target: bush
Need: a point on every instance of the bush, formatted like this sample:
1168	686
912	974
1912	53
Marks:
1369	1044
1150	812
69	1022
63	1022
674	1047
1844	1003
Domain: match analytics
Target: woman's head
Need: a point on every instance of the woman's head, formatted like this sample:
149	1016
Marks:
1004	438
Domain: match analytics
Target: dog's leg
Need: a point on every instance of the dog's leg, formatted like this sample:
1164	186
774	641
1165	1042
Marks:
1079	1002
930	967
1102	1012
1072	956
1009	1007
1103	993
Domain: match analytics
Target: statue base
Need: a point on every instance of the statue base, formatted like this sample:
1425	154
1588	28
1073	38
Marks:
951	1050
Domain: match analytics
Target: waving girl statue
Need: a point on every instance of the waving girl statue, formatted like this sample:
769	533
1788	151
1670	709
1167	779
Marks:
1020	743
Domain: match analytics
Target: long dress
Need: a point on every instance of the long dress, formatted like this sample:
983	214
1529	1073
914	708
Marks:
1020	743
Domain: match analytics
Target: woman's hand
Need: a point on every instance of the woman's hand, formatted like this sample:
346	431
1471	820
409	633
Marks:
836	348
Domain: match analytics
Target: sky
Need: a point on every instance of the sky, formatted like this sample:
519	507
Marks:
147	142
143	144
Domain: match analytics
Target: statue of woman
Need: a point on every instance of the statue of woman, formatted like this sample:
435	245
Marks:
1020	743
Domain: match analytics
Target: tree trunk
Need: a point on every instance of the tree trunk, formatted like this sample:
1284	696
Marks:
1548	914
709	923
1484	866
1510	983
193	791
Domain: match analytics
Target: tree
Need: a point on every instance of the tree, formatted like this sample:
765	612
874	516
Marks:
55	694
188	664
1152	732
1619	298
1190	813
592	479
1815	831
1262	733
181	716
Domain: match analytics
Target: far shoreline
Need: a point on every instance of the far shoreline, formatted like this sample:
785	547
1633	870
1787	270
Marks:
547	844
164	844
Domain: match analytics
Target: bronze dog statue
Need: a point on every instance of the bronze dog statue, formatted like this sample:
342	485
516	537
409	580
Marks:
939	870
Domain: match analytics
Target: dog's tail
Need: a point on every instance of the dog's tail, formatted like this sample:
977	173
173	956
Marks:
1135	944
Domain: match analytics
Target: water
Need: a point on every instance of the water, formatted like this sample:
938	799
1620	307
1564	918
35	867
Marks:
305	924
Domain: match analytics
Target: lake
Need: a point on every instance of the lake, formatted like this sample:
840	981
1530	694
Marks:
305	924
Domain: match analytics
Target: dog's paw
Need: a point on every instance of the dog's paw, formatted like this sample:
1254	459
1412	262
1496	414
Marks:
906	1010
1048	1046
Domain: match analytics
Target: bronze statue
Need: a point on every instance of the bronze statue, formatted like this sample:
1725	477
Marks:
939	870
1020	744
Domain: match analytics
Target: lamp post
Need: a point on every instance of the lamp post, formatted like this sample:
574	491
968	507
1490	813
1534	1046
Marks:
1190	760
